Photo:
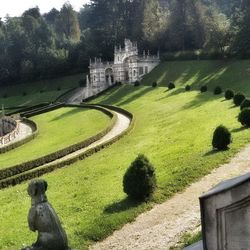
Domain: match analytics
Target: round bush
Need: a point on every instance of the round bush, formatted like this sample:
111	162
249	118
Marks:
217	90
245	104
221	138
229	94
171	85
244	117
188	88
154	84
59	88
139	181
203	88
238	99
136	83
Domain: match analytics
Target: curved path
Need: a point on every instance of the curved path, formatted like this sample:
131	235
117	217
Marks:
24	131
162	227
120	126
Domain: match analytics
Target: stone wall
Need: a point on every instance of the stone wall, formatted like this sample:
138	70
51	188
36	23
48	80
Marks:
9	128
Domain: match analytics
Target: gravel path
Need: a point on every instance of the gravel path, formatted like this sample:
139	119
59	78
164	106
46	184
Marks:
121	124
24	131
161	227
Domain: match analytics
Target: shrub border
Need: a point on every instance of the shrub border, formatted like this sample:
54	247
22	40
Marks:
50	168
29	165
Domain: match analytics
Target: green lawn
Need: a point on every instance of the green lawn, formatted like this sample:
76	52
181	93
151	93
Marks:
57	129
36	92
173	128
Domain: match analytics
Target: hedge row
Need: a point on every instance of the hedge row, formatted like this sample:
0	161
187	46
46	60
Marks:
22	109
23	141
53	166
42	110
26	166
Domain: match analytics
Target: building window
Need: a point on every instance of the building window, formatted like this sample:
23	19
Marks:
118	58
94	78
134	72
146	69
141	71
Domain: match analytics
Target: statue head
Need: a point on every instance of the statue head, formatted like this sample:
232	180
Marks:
36	191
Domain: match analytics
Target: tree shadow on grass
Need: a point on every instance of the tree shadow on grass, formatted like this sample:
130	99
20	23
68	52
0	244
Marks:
236	130
69	113
121	206
211	152
140	92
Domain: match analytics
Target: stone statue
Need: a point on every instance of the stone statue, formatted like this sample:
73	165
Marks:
43	218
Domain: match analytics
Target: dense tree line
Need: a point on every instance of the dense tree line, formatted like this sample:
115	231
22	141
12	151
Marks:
36	46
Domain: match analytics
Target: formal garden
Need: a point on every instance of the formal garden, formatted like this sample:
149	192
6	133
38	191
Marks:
89	194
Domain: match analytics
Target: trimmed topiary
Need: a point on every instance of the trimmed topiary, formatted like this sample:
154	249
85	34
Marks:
229	94
171	85
217	90
139	181
136	83
221	138
203	89
238	99
244	117
188	88
245	104
154	84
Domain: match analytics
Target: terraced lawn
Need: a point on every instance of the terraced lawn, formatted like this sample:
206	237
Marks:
37	92
173	128
57	129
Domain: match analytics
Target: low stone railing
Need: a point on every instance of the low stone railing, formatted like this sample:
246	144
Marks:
7	138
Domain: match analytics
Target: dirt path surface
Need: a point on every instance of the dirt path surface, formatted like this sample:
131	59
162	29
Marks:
24	131
162	227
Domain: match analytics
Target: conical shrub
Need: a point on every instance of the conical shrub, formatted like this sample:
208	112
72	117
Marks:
139	181
221	138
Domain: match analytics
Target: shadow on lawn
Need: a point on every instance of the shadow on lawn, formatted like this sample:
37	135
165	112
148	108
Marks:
211	152
124	95
121	206
236	130
69	113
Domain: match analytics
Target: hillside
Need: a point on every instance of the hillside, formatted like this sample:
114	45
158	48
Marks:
173	128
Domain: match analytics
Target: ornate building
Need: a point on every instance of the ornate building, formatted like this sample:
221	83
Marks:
128	66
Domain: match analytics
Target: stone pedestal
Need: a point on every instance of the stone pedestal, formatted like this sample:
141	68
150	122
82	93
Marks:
225	216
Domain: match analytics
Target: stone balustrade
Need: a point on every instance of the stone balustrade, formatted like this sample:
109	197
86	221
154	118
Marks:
9	129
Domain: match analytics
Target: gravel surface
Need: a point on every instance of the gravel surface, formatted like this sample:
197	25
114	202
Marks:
162	227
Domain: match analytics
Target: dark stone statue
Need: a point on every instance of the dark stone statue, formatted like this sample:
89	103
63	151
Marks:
43	218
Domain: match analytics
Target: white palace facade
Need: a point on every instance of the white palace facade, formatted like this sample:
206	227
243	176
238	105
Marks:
128	66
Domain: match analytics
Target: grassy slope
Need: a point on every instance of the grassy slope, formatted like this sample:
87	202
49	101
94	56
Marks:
33	96
173	128
57	129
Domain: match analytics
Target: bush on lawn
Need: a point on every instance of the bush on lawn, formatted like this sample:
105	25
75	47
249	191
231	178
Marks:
171	85
203	88
221	138
229	94
154	84
139	181
217	90
244	117
245	104
136	83
238	99
188	88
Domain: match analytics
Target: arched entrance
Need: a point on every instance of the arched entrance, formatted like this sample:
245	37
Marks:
109	76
